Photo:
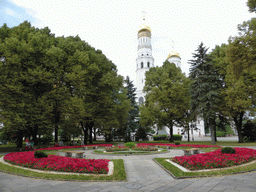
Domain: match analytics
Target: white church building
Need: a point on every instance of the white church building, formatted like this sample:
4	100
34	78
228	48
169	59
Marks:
144	62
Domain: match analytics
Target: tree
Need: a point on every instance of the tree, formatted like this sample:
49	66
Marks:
167	97
24	80
46	81
252	5
241	74
141	133
132	121
205	88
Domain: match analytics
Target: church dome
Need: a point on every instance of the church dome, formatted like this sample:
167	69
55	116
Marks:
144	27
173	54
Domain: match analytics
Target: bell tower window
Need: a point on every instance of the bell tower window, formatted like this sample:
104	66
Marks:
141	64
148	64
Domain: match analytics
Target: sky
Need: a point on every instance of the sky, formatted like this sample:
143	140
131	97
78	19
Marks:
111	25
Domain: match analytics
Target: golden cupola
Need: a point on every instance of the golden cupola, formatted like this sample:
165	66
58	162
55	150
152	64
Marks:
173	54
144	27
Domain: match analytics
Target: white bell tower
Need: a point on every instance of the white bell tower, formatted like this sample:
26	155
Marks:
144	60
174	57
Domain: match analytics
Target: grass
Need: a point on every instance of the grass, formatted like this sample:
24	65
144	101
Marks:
179	173
118	175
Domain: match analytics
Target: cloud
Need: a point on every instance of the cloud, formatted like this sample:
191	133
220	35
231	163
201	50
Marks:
11	13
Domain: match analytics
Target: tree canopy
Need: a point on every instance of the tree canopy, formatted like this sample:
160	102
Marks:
167	97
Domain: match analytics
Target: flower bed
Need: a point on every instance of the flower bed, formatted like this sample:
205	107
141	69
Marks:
216	159
173	145
58	163
145	148
73	147
117	148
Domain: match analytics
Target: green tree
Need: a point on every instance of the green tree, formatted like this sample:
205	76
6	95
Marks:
167	97
132	121
205	88
24	80
241	74
252	5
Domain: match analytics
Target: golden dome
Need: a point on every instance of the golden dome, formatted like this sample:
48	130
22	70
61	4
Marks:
144	27
173	54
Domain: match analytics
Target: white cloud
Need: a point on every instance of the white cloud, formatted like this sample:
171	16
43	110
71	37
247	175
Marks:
11	12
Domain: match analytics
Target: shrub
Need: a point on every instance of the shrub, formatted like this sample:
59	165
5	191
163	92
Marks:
176	143
159	137
129	144
220	134
249	131
47	138
228	150
141	134
177	137
40	154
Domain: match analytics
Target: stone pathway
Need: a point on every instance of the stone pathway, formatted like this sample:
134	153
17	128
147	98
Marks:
143	175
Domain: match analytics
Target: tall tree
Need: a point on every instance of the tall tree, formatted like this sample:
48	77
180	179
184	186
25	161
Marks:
132	121
167	97
24	80
241	74
205	88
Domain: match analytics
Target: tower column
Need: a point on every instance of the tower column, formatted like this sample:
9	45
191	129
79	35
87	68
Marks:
144	60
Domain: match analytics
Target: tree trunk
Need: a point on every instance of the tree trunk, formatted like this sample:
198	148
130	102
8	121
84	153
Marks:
211	124
90	129
238	122
19	141
85	130
34	134
206	125
90	134
56	133
94	133
171	132
214	128
188	133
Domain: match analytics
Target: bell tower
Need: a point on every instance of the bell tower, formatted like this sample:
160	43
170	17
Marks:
144	59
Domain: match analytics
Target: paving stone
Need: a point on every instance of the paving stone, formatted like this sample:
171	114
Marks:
202	189
245	189
219	188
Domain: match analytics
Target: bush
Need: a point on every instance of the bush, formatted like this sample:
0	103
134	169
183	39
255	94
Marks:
177	137
40	154
220	134
47	138
228	150
129	144
141	134
159	137
249	131
176	143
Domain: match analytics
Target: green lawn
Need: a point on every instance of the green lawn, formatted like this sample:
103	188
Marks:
179	173
119	173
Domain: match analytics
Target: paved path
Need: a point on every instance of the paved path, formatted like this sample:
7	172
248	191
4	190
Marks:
142	174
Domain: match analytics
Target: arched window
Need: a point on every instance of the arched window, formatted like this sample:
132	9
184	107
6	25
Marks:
141	100
148	64
141	64
141	54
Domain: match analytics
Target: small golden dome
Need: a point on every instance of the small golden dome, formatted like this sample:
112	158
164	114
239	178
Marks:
144	27
173	54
